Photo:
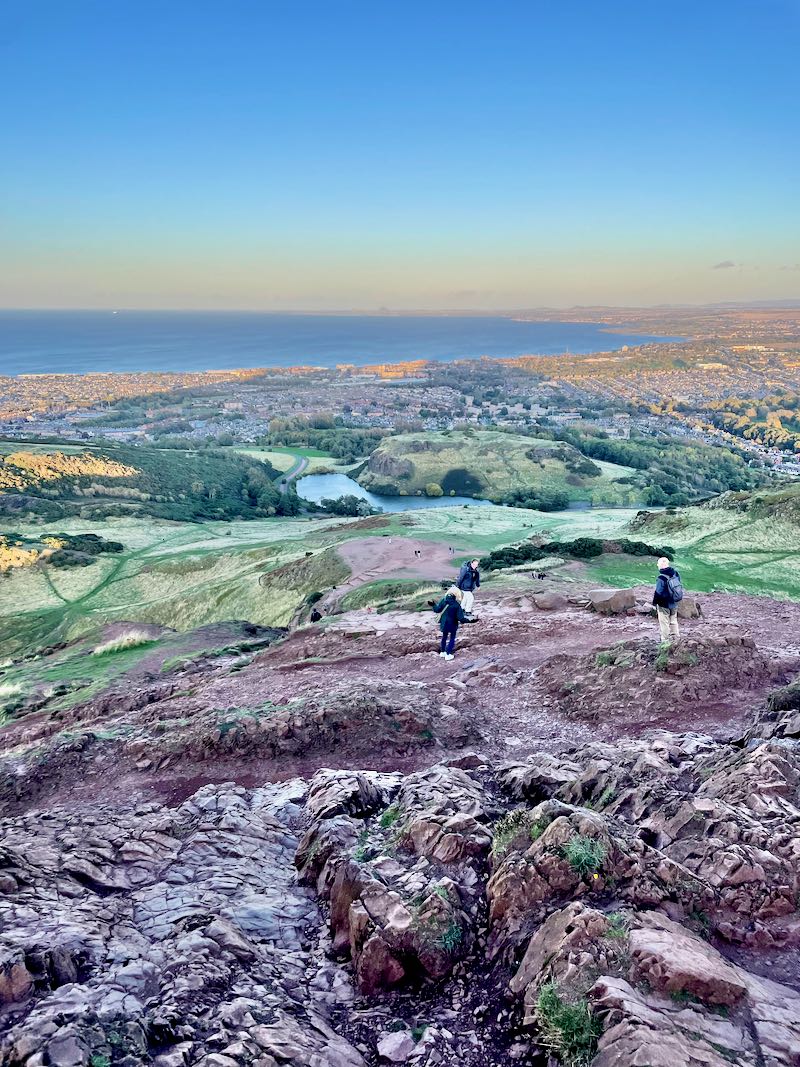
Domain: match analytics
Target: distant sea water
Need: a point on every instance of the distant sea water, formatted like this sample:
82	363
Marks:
80	342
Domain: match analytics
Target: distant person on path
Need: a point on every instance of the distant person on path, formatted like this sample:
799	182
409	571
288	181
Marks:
451	614
666	597
469	579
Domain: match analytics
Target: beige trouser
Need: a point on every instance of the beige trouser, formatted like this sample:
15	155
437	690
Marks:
668	623
467	598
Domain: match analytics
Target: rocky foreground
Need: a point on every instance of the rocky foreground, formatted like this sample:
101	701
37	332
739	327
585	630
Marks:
573	847
624	904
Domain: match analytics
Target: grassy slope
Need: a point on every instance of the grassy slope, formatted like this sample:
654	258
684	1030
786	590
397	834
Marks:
499	460
751	551
184	575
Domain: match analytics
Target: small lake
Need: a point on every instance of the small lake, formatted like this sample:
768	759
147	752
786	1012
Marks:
317	487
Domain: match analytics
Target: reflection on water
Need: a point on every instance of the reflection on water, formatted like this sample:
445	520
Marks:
316	487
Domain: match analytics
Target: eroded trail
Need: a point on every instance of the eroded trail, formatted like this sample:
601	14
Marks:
372	559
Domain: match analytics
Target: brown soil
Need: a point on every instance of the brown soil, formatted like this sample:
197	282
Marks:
505	688
371	559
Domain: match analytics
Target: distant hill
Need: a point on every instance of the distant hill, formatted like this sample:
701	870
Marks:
491	464
780	504
100	481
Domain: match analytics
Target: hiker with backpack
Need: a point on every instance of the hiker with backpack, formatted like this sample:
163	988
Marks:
667	595
451	615
469	579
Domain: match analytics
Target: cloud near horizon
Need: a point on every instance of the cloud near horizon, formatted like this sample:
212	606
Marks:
726	264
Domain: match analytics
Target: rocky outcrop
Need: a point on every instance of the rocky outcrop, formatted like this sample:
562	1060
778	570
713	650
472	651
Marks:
397	919
385	472
608	904
165	936
642	678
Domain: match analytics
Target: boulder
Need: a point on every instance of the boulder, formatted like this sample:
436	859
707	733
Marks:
612	601
689	608
550	601
396	1047
672	960
16	980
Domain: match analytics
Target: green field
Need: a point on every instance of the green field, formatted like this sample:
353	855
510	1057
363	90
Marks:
718	548
184	575
487	463
286	459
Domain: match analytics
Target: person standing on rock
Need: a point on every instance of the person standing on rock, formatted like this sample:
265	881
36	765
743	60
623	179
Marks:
469	579
451	615
667	595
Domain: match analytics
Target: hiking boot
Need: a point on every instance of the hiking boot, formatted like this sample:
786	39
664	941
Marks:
442	654
448	655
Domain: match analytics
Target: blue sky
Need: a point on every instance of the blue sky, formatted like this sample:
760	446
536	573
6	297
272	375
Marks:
262	155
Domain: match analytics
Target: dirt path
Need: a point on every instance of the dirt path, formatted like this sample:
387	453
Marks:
371	559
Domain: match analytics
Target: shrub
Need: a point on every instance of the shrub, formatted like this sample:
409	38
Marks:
584	854
433	489
569	1030
348	505
121	643
390	816
512	824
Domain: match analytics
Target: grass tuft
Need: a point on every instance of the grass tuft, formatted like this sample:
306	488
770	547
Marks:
512	824
450	938
389	817
617	926
569	1030
121	643
585	854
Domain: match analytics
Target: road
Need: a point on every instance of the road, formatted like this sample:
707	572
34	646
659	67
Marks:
291	475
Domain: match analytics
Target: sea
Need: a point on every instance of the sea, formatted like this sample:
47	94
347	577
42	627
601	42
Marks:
82	342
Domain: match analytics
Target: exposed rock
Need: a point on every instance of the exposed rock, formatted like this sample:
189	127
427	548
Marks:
689	608
611	601
651	882
550	601
671	960
396	1047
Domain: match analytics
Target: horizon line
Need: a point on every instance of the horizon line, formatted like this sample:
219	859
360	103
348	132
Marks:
384	311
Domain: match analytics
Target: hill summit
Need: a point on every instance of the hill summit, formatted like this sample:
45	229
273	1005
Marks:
489	464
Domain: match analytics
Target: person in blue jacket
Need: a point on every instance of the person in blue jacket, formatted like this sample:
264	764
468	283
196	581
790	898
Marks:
451	615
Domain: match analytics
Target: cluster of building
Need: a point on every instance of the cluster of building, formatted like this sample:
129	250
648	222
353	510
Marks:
651	388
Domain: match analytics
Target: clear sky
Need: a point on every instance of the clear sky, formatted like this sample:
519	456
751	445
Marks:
254	154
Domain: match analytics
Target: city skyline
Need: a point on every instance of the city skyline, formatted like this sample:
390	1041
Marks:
254	158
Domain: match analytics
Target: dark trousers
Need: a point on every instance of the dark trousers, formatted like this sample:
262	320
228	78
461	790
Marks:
448	641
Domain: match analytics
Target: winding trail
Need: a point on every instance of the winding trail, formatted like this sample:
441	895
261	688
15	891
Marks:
371	559
285	479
